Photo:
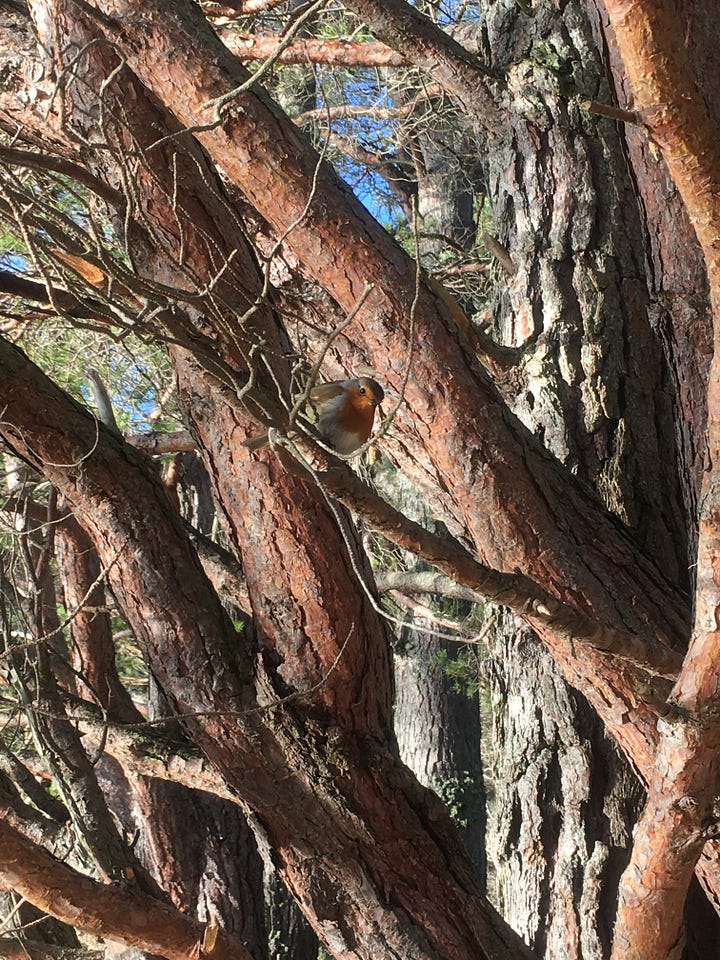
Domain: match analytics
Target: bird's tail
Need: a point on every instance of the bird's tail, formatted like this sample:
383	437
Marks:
255	443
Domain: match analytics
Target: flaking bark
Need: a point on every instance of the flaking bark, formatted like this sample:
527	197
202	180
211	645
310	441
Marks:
194	653
104	908
671	833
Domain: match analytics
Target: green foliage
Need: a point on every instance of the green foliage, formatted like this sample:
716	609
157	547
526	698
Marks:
453	792
463	669
10	244
137	375
128	659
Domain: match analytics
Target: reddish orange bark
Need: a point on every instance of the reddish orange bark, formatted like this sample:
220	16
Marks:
475	451
245	145
668	100
489	451
346	819
344	53
93	650
371	831
671	833
110	910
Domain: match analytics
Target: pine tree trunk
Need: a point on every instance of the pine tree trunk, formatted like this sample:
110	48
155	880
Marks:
438	731
595	386
563	807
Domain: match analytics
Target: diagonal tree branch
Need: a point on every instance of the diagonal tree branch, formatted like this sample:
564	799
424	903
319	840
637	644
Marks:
43	161
17	286
157	443
111	910
344	111
215	684
321	237
240	8
149	753
414	35
492	475
513	590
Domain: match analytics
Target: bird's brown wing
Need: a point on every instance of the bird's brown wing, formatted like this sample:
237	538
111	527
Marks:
320	397
325	392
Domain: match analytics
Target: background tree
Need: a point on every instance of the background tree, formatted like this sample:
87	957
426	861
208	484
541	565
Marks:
171	202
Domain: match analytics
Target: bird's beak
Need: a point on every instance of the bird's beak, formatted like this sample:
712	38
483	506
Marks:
380	411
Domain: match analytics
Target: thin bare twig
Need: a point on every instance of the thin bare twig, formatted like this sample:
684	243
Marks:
219	103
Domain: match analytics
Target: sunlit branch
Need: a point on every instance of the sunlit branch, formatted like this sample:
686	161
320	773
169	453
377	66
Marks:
514	590
344	53
239	8
114	910
162	442
671	834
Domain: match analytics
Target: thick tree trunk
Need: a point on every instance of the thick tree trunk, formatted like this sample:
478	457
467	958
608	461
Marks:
339	842
674	264
497	486
670	836
438	731
564	803
104	909
337	648
203	854
92	650
514	470
437	727
200	848
597	388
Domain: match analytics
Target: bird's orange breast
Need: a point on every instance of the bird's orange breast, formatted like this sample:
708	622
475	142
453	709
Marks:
356	415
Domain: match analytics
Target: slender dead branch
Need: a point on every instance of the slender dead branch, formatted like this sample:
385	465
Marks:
35	791
348	111
157	444
399	182
43	161
611	112
343	53
433	622
15	286
149	753
102	400
33	825
222	570
425	581
500	253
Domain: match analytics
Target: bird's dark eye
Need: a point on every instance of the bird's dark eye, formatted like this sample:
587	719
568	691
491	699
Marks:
362	389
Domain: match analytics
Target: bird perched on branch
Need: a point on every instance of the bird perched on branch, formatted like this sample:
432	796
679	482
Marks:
342	412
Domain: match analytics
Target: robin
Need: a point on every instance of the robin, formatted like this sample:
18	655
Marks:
342	411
